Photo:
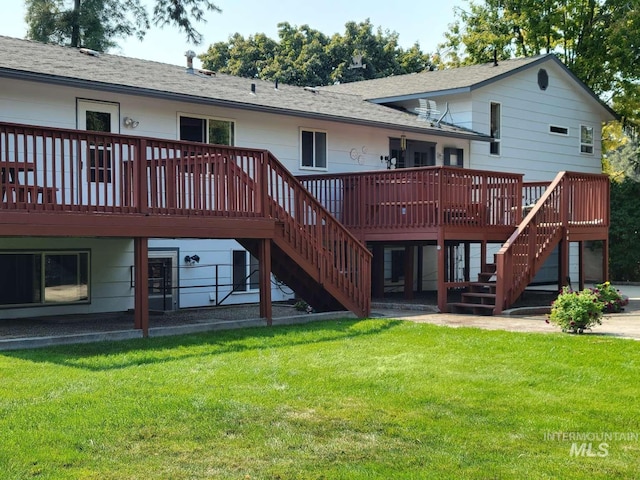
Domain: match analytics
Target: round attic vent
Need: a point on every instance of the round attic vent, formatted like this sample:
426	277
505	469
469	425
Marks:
543	79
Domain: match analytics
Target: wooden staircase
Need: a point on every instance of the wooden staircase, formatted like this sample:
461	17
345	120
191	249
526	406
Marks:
480	299
524	253
311	252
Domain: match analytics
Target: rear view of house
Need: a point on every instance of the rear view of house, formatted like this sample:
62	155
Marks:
129	184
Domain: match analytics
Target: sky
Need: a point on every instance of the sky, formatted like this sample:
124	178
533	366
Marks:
422	21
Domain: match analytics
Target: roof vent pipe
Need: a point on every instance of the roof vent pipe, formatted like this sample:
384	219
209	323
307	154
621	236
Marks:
276	87
253	88
190	54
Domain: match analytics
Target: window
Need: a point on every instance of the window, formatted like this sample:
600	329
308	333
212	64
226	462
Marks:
207	130
496	121
555	129
246	271
314	149
99	154
454	157
44	278
586	139
543	79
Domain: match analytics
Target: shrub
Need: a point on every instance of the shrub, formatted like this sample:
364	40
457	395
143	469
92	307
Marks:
303	306
574	312
611	298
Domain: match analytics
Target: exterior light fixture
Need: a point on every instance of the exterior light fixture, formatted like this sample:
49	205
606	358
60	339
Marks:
130	122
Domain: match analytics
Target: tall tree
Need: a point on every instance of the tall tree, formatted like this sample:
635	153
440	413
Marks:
96	24
304	56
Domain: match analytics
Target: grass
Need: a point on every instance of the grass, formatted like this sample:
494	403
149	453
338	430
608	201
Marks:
332	400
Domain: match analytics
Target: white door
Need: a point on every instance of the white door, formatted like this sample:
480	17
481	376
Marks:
163	280
99	164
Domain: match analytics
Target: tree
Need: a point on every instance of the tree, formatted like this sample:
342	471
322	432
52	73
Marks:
96	24
306	57
624	251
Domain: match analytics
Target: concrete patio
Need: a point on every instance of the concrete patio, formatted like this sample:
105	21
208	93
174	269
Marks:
66	330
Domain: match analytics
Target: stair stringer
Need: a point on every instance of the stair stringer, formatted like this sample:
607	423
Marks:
524	253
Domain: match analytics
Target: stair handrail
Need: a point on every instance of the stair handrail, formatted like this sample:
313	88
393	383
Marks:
534	239
318	236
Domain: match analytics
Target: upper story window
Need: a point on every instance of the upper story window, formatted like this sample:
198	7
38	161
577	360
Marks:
558	130
207	130
586	139
496	122
313	149
454	157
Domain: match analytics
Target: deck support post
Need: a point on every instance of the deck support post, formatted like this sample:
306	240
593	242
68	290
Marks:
563	262
467	261
408	271
581	265
377	267
605	260
442	271
264	259
141	288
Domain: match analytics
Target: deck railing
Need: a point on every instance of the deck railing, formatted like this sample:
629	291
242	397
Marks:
68	171
77	171
571	200
315	234
419	198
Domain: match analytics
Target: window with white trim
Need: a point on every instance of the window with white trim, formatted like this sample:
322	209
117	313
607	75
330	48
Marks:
245	271
207	130
454	157
495	126
586	139
313	149
44	278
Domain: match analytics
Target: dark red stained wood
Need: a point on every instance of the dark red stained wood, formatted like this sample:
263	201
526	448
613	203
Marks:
77	183
145	187
141	290
264	258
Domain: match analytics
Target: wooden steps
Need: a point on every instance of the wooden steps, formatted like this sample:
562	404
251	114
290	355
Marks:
480	299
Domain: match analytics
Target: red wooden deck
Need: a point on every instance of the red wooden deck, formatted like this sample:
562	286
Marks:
57	182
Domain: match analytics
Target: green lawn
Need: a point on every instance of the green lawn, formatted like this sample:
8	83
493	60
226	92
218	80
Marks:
333	400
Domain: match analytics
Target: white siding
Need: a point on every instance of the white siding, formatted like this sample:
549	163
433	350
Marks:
526	145
198	281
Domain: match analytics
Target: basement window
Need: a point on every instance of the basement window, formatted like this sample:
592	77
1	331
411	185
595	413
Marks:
44	278
556	130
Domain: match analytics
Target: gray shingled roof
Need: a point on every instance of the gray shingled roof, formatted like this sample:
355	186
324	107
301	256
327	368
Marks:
35	61
449	81
433	81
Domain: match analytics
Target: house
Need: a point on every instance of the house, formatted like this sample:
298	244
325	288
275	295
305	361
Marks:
129	184
541	120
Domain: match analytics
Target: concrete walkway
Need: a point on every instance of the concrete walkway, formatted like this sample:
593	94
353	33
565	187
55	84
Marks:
625	324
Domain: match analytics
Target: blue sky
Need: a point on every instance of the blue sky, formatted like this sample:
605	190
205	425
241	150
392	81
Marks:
423	21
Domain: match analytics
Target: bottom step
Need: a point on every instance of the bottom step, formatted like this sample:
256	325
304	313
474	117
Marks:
474	308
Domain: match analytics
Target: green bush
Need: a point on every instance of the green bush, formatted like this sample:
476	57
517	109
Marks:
611	298
575	312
